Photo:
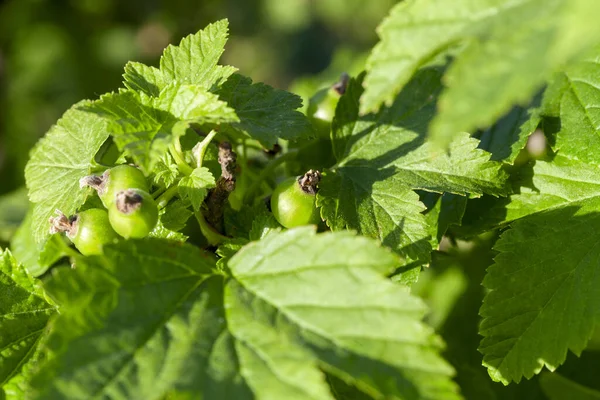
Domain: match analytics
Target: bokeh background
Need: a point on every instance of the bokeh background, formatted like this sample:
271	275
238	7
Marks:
54	53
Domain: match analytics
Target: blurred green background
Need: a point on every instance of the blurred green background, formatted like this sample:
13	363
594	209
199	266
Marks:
54	53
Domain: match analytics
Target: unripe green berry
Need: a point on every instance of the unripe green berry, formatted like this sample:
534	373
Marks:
89	230
322	105
114	180
293	203
134	213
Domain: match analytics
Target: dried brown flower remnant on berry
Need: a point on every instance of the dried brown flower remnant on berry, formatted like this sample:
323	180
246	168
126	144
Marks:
309	181
61	223
127	201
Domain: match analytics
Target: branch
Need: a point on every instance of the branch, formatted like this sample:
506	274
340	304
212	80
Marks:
215	202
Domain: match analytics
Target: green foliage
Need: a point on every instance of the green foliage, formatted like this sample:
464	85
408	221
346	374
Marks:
383	157
218	337
195	186
265	113
57	163
520	43
535	293
24	314
416	251
579	111
533	287
316	314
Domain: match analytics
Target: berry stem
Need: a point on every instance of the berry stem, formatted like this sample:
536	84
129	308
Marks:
163	199
175	150
200	149
213	237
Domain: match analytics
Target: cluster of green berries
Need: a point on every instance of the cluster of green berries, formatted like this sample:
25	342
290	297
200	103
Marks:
130	212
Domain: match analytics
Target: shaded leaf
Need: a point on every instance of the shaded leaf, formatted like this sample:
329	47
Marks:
143	79
383	157
507	137
265	113
144	320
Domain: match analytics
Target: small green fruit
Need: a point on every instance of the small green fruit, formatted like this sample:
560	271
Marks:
89	230
133	214
293	203
114	180
322	105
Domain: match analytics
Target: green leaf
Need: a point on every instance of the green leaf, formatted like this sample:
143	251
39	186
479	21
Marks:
326	303
195	186
377	204
541	302
175	215
572	173
149	318
239	223
144	128
143	79
145	319
557	387
172	219
194	104
265	113
23	317
142	132
58	162
263	224
540	186
521	43
580	111
194	60
36	258
165	171
447	210
382	157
